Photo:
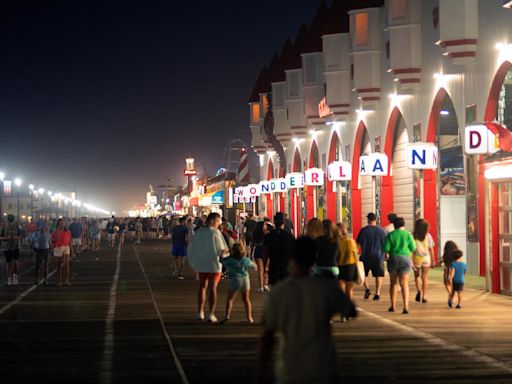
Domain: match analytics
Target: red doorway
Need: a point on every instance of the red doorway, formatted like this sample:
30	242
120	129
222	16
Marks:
295	203
269	200
310	191
330	194
361	136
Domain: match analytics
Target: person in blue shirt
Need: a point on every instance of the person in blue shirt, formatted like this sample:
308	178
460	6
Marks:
179	246
237	266
457	272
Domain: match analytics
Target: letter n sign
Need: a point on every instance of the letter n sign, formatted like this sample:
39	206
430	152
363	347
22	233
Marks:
421	156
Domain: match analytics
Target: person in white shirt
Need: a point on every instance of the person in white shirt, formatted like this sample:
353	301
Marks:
204	253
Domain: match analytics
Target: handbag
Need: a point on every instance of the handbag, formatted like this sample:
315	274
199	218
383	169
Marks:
360	273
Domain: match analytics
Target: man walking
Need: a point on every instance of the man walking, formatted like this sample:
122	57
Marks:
371	239
278	246
179	246
11	233
76	236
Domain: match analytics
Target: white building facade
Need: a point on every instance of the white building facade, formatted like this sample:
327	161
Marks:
386	75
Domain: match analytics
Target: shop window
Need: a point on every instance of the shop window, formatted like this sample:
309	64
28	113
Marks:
504	113
278	96
310	69
398	9
361	29
255	112
293	84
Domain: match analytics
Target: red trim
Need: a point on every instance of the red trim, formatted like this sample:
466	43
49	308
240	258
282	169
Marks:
494	92
430	192
481	219
387	181
310	197
356	191
318	123
456	55
340	106
314	117
330	196
341	113
299	127
270	175
495	243
294	195
453	43
365	90
408	81
400	71
372	98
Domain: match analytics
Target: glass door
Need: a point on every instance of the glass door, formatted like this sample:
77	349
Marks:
505	235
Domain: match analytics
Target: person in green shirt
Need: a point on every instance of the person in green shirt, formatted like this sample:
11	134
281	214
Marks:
398	246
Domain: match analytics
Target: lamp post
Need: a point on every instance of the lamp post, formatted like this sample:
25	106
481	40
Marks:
2	176
18	182
50	193
31	187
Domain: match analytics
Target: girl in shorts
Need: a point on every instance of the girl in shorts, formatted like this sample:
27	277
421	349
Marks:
237	268
422	258
61	241
259	234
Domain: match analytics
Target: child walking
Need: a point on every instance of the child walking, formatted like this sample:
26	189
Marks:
237	270
449	247
457	272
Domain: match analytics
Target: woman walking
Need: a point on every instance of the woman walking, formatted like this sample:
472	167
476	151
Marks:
399	245
327	251
204	254
61	241
314	228
258	237
94	235
42	248
347	261
422	258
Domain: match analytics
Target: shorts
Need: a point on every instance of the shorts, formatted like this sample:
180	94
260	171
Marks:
111	236
61	251
326	271
11	255
179	250
76	241
376	267
258	252
213	276
41	256
96	237
132	233
458	287
239	284
422	261
399	265
348	272
248	238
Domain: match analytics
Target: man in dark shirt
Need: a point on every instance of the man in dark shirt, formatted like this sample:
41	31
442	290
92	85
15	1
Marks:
371	239
288	225
179	246
250	226
278	247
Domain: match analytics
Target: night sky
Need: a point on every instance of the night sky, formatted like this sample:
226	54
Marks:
111	96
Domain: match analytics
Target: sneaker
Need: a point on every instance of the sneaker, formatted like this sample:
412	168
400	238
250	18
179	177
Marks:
367	293
266	288
222	322
424	301
260	290
180	277
200	316
376	297
391	309
212	318
405	311
450	303
418	297
458	306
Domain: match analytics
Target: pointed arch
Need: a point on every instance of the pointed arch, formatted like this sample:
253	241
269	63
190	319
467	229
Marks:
313	162
330	197
355	187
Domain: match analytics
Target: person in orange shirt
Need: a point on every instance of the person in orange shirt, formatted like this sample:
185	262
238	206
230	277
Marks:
61	242
347	261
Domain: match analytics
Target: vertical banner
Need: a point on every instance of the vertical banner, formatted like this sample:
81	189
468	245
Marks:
416	136
347	202
472	185
377	183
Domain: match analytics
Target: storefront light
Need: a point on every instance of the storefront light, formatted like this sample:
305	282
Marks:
498	172
2	176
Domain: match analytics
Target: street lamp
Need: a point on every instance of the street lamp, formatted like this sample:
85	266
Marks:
18	182
31	187
2	176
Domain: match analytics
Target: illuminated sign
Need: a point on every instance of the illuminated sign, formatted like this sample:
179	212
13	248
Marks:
314	177
252	190
277	185
479	140
375	164
188	172
421	156
295	180
339	171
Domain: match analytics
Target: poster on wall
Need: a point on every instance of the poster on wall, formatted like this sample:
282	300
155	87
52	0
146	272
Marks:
452	172
416	132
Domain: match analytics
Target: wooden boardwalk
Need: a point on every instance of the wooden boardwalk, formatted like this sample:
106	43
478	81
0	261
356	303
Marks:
54	334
